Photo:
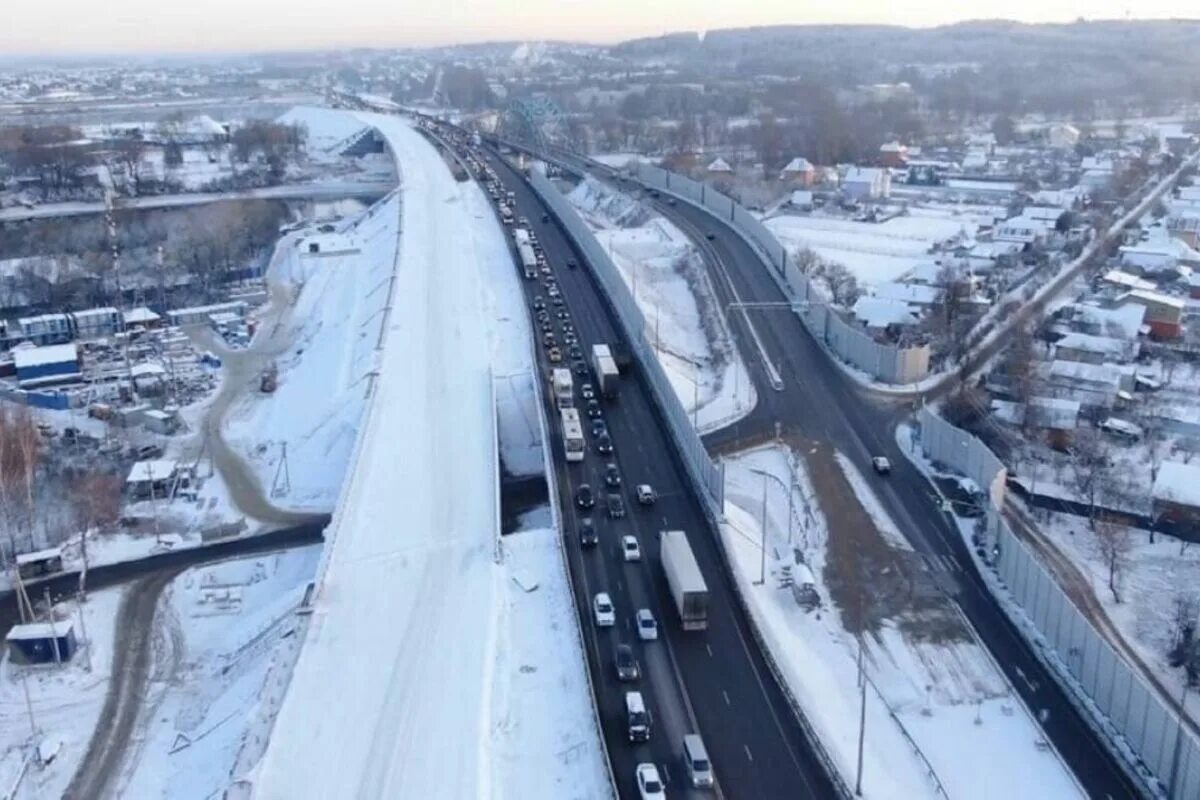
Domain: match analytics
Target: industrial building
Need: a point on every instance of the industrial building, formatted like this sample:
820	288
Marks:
46	366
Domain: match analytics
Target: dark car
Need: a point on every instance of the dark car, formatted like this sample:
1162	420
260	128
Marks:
584	497
710	236
575	351
626	663
579	367
539	303
599	427
587	533
572	263
603	445
593	409
612	476
616	505
545	217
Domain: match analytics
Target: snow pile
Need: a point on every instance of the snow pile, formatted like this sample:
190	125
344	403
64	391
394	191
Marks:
666	276
940	695
328	129
873	252
223	621
66	701
324	374
390	695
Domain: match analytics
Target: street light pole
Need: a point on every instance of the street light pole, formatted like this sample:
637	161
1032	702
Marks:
862	717
762	566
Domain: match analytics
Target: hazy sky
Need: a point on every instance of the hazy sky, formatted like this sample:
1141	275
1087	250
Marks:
45	27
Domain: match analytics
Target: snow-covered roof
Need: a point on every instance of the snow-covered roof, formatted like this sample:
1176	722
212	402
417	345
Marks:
1103	374
879	312
914	293
1157	298
802	197
719	165
1177	482
798	164
1105	345
1054	412
155	469
40	630
1128	280
89	313
140	316
892	147
863	175
51	354
39	555
1124	320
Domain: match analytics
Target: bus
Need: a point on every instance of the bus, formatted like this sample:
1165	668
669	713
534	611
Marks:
572	432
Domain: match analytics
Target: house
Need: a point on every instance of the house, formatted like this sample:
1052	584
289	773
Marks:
142	316
801	199
799	172
1090	349
1193	282
913	294
1023	230
42	642
867	183
1062	136
983	256
720	166
879	314
983	142
151	478
46	366
894	155
1052	413
1123	322
46	328
1176	495
1185	228
1159	252
975	161
1093	385
1164	313
1127	281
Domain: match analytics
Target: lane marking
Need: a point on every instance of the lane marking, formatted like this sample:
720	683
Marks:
725	694
749	755
708	647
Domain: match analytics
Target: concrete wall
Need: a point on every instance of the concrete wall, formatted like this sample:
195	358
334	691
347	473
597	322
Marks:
1122	705
883	362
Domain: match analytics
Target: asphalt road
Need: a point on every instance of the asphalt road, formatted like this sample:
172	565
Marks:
821	402
715	681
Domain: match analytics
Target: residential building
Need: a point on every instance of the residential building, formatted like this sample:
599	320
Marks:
1127	281
1062	136
799	172
879	314
1176	495
867	183
1024	230
1052	413
719	166
1123	322
1164	313
893	154
1091	349
913	294
1093	385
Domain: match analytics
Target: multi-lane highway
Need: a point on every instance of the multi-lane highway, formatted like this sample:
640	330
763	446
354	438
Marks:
713	682
821	402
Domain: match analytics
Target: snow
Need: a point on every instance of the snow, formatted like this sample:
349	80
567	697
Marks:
1178	483
327	128
66	700
154	470
222	622
40	356
946	697
874	252
663	271
388	726
870	502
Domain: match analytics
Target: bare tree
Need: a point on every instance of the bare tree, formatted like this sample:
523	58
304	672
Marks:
1113	544
20	453
1089	457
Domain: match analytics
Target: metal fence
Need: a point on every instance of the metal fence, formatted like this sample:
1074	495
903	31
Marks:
1116	696
884	362
707	476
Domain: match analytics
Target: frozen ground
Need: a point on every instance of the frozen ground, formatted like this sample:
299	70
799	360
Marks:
544	742
944	691
405	610
873	252
66	702
330	333
218	625
665	274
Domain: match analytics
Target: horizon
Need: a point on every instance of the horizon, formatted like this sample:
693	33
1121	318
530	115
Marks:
473	23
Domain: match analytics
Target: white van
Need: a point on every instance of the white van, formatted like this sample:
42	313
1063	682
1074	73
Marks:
695	757
637	716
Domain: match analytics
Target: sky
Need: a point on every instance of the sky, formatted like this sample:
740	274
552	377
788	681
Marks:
65	27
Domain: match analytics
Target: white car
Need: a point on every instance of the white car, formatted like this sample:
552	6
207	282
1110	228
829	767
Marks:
606	615
881	465
647	628
645	494
650	786
630	548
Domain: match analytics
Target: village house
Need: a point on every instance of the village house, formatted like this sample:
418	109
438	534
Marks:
867	183
1164	313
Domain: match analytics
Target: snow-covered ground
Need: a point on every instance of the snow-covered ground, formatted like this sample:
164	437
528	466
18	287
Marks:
66	701
222	622
332	331
666	275
873	252
946	696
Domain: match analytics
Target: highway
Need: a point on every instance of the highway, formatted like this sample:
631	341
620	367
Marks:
714	682
820	401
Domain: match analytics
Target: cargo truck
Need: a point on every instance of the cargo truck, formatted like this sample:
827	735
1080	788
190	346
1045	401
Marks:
688	589
562	385
529	260
606	370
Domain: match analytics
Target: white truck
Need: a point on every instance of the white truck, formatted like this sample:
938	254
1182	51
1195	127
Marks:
688	589
606	370
563	387
529	259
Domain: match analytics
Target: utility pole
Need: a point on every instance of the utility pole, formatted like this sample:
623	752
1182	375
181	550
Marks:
53	632
862	716
762	567
87	645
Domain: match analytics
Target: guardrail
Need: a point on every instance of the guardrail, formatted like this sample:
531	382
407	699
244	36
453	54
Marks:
1145	732
685	437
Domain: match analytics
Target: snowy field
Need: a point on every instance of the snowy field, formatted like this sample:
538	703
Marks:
874	252
942	693
222	622
665	274
330	334
66	702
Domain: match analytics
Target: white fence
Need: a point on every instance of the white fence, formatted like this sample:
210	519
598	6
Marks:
1116	695
883	362
707	476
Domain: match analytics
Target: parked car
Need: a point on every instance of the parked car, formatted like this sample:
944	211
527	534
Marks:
645	494
612	476
584	497
881	465
616	506
630	549
602	607
647	626
650	785
587	533
626	663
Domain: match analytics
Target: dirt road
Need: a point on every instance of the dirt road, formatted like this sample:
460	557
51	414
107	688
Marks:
132	653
